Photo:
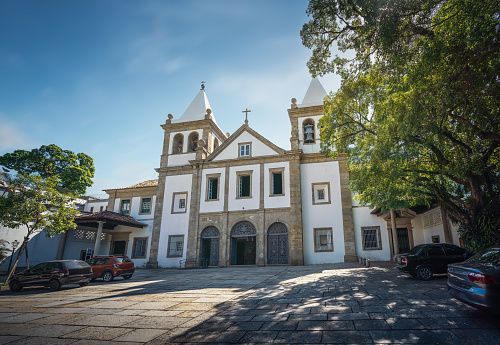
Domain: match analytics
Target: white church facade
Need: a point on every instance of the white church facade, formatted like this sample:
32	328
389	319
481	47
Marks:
239	199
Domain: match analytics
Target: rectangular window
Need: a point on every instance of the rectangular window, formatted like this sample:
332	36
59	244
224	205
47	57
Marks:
245	150
179	202
140	247
321	193
435	239
146	206
323	240
101	208
125	208
244	184
277	181
213	187
92	210
371	238
175	246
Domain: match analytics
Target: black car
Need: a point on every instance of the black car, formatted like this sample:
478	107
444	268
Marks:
425	260
53	274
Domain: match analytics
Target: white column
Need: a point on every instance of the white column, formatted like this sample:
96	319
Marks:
394	234
98	238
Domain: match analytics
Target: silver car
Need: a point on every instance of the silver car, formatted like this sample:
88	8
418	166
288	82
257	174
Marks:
477	280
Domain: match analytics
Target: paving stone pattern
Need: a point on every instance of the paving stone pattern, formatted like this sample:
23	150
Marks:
329	304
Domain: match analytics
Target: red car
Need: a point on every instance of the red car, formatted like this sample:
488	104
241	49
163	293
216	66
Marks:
108	267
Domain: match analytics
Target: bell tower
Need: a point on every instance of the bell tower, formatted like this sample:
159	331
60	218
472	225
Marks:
304	119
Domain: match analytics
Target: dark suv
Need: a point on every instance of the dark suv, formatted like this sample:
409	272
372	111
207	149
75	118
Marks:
425	260
53	274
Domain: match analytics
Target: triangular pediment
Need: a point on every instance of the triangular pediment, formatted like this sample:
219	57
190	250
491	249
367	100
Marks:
260	146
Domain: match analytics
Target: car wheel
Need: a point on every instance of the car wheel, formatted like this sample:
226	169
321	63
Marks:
127	276
424	273
107	276
15	286
82	284
54	285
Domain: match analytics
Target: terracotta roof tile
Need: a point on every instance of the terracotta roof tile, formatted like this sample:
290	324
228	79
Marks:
109	216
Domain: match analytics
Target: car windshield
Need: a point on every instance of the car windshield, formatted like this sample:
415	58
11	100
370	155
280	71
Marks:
491	256
416	250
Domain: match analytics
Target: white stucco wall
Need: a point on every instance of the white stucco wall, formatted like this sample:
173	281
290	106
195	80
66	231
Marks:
235	204
212	205
180	159
322	215
174	223
362	217
309	148
258	148
276	201
134	233
96	204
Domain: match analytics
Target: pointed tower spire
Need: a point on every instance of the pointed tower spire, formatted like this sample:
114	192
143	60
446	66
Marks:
314	95
198	108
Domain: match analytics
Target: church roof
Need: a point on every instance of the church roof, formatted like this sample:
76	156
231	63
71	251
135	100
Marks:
236	134
314	95
148	183
197	109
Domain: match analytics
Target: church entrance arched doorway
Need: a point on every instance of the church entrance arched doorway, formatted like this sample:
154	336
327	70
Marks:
277	244
209	255
243	244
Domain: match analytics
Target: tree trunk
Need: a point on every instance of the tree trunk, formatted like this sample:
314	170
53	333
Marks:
27	260
13	269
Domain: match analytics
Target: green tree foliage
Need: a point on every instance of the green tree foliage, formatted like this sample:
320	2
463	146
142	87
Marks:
418	112
39	196
74	171
36	204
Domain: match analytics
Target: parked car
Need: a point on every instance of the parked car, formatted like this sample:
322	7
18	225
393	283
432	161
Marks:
108	267
53	274
477	280
425	260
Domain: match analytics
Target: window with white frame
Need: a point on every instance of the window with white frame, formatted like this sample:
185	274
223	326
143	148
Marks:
321	193
125	207
175	246
244	189
276	178
179	202
323	240
140	247
371	237
213	187
146	206
245	149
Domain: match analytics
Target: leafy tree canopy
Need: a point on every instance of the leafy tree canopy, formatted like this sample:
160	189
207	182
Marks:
418	111
73	171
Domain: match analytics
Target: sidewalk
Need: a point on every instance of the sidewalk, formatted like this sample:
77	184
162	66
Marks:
340	303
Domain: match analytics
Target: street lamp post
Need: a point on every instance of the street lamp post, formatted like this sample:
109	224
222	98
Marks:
15	243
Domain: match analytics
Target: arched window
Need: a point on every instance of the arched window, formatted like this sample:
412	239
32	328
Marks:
177	143
216	143
192	141
309	131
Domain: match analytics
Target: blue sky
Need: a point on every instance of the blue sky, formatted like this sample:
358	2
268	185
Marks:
100	77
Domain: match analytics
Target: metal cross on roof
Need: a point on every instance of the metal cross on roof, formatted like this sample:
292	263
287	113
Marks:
246	111
203	85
